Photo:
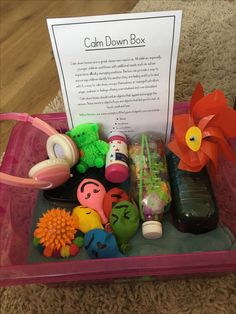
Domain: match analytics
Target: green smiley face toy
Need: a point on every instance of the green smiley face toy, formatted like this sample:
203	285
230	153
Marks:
124	222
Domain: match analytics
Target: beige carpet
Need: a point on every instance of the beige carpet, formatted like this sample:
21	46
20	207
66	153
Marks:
207	54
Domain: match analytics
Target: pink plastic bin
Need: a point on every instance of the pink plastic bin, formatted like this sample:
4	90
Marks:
27	147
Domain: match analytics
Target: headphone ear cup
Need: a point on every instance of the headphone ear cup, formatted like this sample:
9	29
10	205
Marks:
55	171
62	146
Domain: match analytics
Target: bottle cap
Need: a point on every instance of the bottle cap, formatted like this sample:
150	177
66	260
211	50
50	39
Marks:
152	229
117	173
117	135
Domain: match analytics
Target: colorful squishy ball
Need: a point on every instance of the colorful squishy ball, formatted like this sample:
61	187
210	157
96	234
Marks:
86	219
91	193
101	244
113	197
54	234
55	229
124	222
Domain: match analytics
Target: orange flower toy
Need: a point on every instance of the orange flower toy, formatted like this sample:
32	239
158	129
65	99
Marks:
202	134
55	233
199	138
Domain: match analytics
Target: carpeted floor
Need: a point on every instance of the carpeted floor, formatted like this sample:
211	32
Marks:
207	44
207	54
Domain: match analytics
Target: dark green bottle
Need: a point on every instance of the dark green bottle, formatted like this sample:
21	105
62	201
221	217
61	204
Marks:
193	206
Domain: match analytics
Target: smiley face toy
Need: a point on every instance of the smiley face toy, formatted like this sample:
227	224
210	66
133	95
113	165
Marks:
124	221
100	244
86	219
113	197
91	193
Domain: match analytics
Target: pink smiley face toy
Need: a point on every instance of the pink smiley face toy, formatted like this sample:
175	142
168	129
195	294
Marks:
91	193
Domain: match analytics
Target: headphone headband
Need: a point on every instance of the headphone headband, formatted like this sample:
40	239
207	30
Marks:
25	117
26	182
48	173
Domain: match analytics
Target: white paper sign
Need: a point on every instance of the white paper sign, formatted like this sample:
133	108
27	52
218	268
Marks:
118	70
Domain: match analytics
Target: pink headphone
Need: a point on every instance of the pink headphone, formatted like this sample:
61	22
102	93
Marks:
62	152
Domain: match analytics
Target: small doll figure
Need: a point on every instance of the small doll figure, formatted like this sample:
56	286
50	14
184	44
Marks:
92	150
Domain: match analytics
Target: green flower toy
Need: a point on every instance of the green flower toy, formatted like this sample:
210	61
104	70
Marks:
92	150
124	222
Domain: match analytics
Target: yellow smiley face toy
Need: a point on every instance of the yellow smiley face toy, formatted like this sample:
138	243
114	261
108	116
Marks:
86	219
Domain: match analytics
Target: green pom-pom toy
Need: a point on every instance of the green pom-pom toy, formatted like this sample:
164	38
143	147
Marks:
79	241
92	150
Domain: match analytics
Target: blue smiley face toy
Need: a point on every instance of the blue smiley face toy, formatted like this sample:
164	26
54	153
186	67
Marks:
101	244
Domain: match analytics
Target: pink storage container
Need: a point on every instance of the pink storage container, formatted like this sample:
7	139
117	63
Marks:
27	147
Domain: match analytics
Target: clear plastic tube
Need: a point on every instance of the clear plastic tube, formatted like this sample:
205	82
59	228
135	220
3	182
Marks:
149	182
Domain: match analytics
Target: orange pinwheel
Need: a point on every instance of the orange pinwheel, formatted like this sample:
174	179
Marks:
202	134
